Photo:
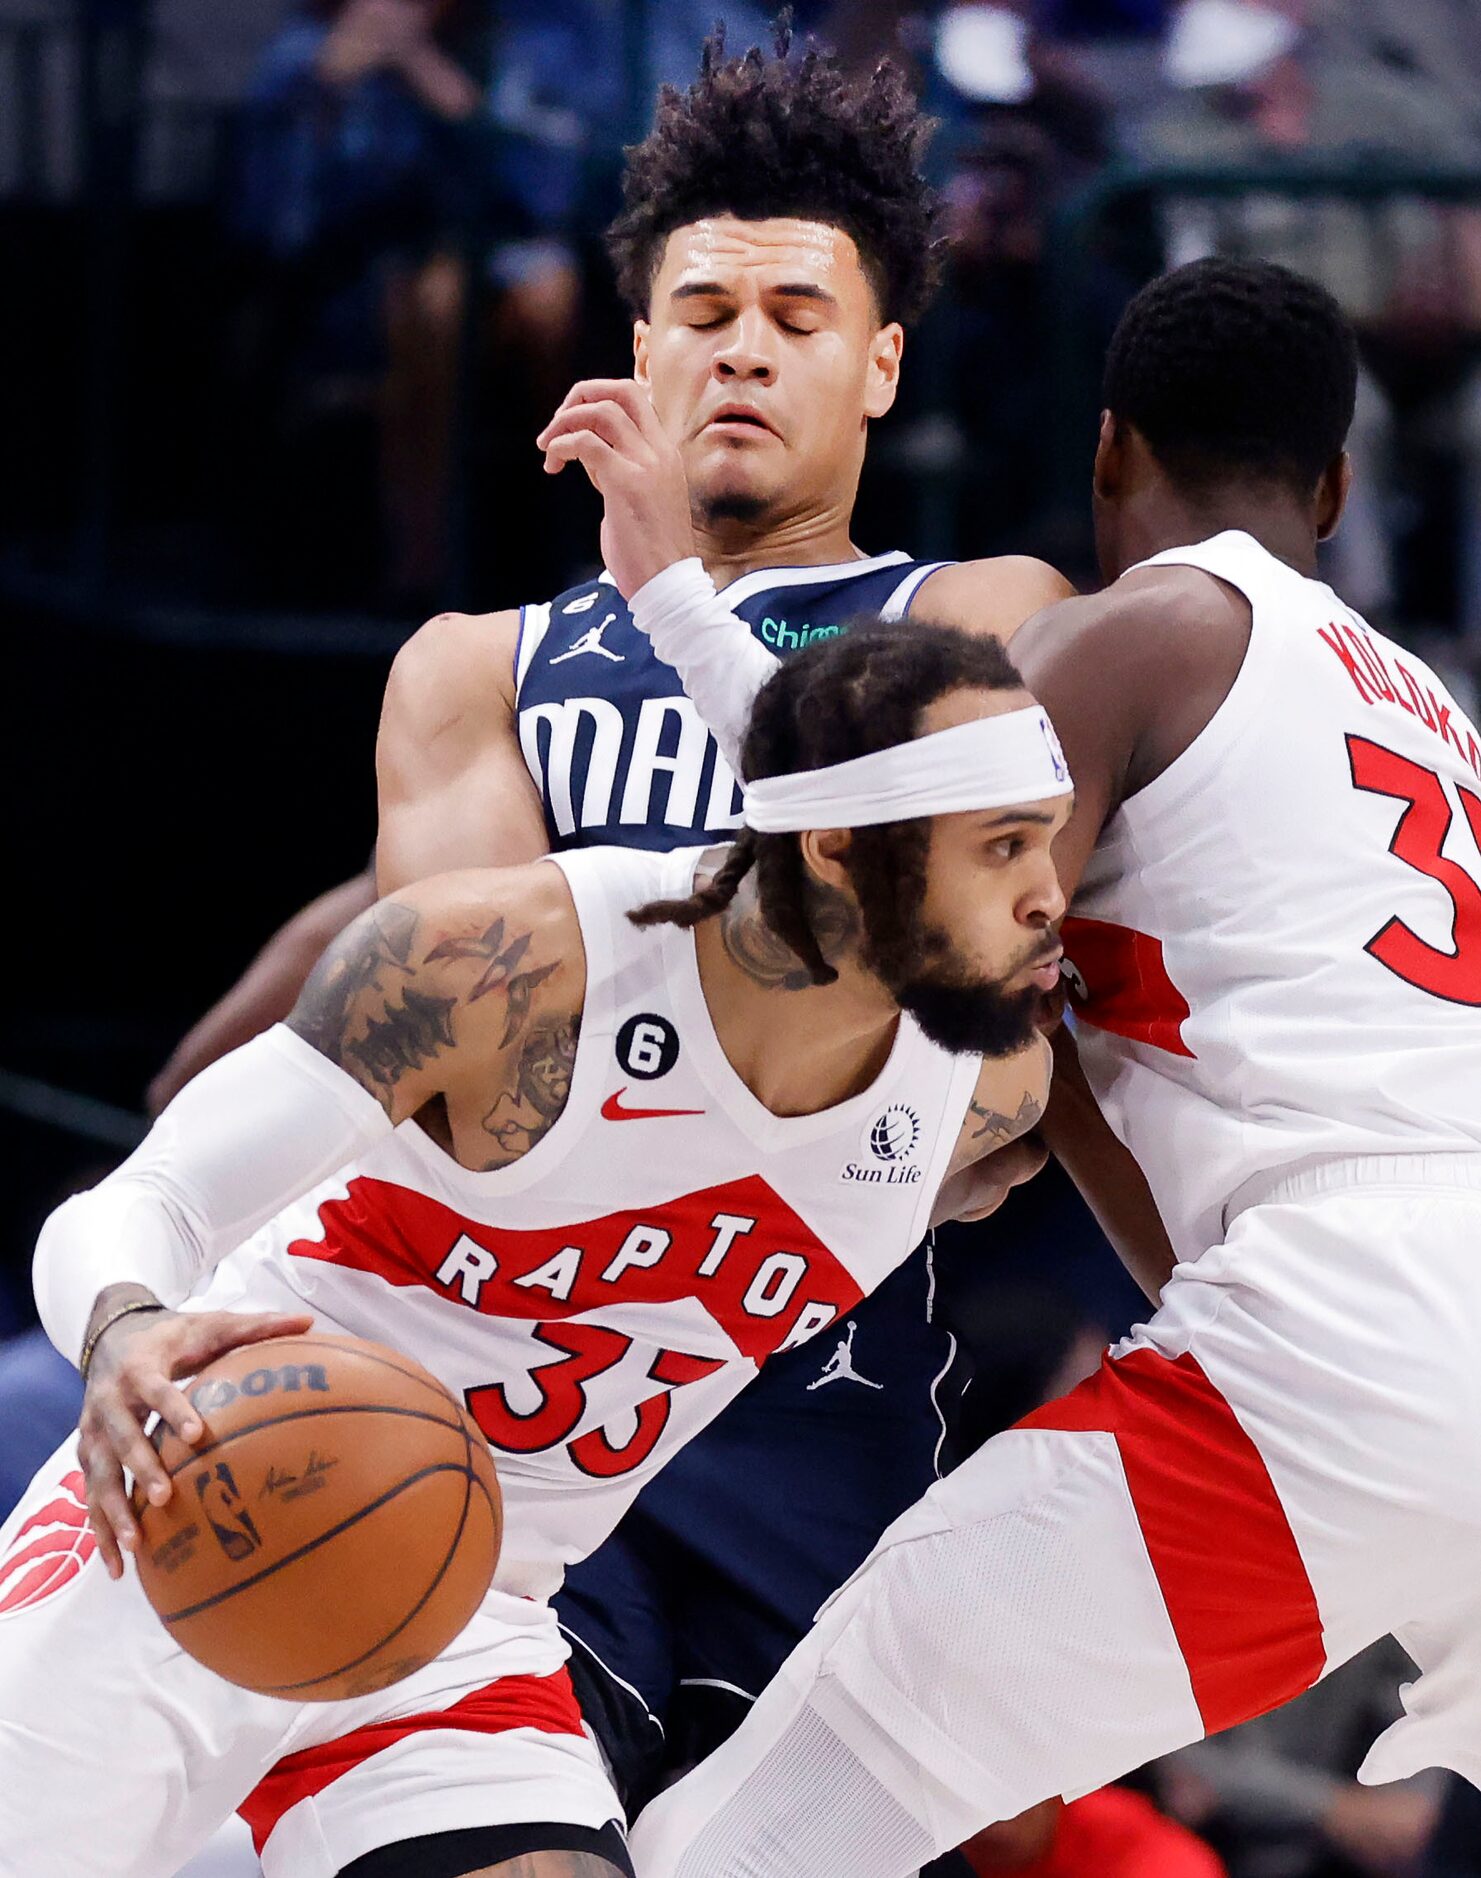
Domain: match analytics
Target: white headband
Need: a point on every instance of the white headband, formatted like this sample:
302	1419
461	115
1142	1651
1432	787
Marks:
985	764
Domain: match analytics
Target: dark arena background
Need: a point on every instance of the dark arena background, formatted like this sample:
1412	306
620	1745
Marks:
268	399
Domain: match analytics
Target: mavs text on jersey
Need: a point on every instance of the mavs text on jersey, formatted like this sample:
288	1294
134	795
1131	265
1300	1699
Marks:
618	752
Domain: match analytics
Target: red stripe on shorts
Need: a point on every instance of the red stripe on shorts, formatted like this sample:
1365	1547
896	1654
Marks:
1241	1604
547	1703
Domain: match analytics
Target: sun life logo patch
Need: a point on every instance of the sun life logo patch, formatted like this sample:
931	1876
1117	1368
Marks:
894	1133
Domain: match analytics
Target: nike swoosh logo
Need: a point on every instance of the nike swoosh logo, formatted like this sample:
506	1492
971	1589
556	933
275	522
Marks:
613	1111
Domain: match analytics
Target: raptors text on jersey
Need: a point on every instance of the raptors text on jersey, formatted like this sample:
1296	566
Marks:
595	1303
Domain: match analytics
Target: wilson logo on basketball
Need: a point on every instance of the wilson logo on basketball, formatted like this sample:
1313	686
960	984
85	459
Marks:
49	1551
291	1377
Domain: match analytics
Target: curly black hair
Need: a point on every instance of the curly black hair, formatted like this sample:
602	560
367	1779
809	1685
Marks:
758	137
1235	368
836	699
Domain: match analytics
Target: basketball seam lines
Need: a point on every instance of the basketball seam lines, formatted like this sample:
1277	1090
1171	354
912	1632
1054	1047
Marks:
468	1471
323	1538
197	1455
345	1345
344	1669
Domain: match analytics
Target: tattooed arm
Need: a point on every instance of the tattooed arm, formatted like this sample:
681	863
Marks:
1009	1100
997	1149
1014	1122
466	988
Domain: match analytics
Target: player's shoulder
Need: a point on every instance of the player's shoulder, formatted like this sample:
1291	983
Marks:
454	662
1171	592
993	595
522	916
536	887
1166	617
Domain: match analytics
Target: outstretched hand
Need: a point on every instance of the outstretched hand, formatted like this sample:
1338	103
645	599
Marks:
132	1374
609	427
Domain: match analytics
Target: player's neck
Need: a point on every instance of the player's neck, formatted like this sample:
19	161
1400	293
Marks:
1165	518
817	537
798	1047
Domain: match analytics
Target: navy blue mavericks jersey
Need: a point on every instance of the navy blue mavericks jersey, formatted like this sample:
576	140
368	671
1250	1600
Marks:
619	753
713	1575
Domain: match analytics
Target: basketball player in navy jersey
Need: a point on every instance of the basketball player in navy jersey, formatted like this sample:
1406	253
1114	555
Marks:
777	232
778	236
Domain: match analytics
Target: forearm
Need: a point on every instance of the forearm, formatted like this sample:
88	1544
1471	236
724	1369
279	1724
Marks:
1109	1180
268	989
721	662
249	1135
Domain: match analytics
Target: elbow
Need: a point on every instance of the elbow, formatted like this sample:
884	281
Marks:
55	1281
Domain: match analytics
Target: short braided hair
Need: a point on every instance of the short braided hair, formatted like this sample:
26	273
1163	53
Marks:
1235	367
836	699
788	135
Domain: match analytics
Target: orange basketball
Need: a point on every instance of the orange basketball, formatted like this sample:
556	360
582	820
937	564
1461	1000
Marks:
335	1527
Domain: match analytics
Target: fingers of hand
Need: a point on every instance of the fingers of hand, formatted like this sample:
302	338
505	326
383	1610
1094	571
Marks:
201	1336
595	455
625	392
107	1505
983	1204
605	419
987	1184
123	1431
1024	1159
175	1408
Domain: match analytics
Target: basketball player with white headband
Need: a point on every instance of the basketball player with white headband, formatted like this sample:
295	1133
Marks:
425	1154
1274	950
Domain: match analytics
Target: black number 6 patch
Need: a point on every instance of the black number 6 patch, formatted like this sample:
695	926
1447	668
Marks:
647	1046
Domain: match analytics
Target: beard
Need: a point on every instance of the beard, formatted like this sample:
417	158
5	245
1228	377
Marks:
957	1009
733	505
972	1019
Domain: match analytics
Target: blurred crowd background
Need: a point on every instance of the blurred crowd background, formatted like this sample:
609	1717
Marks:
286	291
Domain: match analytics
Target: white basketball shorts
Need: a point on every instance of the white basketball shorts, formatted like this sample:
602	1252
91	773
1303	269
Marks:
1282	1465
120	1755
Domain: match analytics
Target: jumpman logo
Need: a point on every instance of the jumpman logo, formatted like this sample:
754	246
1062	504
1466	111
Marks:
840	1366
591	641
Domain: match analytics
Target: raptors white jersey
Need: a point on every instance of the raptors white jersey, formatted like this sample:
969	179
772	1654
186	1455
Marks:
595	1303
1276	947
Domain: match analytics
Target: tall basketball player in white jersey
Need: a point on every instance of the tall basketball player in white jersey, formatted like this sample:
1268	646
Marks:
778	241
1276	950
543	1129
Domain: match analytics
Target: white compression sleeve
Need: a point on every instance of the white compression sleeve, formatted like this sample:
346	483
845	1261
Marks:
723	665
246	1137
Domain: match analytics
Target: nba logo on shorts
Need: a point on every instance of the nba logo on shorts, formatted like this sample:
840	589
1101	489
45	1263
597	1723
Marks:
49	1551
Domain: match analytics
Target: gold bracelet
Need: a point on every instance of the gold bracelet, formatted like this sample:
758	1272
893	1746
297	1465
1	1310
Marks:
124	1310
